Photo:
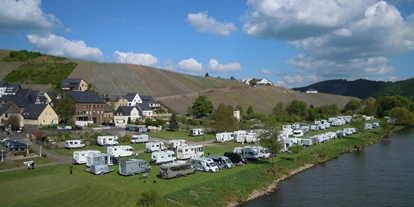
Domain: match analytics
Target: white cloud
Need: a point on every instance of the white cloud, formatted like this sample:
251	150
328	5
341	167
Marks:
59	46
135	58
214	66
68	30
168	65
202	23
25	15
190	65
265	71
338	38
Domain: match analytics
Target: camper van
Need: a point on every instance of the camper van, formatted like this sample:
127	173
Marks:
139	138
204	164
297	133
107	140
222	161
133	166
176	169
252	152
101	159
175	143
306	142
162	157
81	157
196	132
154	146
224	137
190	151
120	151
70	144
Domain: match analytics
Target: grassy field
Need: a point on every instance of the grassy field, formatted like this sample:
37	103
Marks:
18	163
183	134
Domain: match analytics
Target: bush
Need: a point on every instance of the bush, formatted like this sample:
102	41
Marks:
150	198
125	138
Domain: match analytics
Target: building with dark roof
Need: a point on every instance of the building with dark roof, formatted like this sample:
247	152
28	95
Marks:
39	115
7	111
123	113
145	111
74	84
133	99
12	89
89	106
151	102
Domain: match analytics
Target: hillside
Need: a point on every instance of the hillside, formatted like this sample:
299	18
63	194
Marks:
172	89
363	88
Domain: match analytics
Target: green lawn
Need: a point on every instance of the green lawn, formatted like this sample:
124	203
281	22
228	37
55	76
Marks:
182	134
19	163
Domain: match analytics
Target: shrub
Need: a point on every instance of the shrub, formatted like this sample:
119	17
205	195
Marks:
150	198
125	138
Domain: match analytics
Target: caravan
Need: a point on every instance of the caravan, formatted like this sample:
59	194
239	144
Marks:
190	151
107	140
175	143
133	166
162	157
196	132
70	144
120	151
154	146
101	159
139	138
81	157
176	169
204	164
224	137
297	133
253	152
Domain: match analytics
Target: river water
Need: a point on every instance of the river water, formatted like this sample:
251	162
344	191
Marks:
379	175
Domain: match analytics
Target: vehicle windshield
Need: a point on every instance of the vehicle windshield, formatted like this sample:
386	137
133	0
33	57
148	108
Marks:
264	151
227	161
213	164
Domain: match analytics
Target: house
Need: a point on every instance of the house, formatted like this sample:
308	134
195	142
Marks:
7	111
74	84
39	115
88	106
311	91
117	101
51	96
247	81
3	87
108	114
151	102
123	113
5	98
145	111
12	88
133	99
264	81
236	113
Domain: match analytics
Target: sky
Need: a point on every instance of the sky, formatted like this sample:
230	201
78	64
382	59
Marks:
292	43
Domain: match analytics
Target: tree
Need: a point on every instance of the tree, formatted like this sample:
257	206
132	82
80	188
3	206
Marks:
298	108
358	123
297	150
352	105
129	120
370	106
232	78
278	109
206	75
224	119
402	116
173	123
253	82
250	111
65	108
313	114
201	107
386	126
270	138
13	121
151	198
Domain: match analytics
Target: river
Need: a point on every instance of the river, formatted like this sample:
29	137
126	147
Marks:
379	175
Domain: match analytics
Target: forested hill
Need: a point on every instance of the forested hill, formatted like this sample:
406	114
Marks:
363	88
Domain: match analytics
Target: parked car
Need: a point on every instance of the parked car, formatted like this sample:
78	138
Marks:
18	146
235	158
76	127
5	139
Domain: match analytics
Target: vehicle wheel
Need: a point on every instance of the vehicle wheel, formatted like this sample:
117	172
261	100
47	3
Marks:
177	176
194	171
211	170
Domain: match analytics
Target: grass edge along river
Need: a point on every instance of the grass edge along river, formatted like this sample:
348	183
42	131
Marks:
52	185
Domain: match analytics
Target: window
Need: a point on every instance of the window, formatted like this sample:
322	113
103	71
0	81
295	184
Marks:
44	121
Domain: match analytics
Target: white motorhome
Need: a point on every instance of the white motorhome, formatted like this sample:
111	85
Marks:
204	164
71	144
162	157
154	146
81	157
314	128
101	159
252	152
139	138
297	133
306	142
224	137
175	143
107	140
121	151
196	132
190	151
368	126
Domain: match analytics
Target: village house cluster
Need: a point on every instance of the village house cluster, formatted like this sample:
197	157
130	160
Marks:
35	108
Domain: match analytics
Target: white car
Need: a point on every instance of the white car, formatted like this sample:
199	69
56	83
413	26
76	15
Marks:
5	139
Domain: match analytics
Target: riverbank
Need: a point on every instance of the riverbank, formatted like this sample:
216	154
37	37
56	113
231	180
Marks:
366	140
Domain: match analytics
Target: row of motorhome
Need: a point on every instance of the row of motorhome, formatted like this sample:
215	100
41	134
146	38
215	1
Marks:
252	152
241	136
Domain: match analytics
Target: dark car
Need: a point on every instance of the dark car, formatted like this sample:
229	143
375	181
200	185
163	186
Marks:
18	147
76	127
235	158
111	124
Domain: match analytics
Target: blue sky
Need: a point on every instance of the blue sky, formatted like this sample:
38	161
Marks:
292	43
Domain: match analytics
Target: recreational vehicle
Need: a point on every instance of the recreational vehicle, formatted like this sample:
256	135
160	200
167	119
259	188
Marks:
81	157
139	138
120	151
306	142
176	169
222	161
235	157
196	132
224	137
375	124
107	140
297	133
133	166
154	146
204	164
162	157
174	144
101	159
100	169
252	152
71	144
314	128
190	151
